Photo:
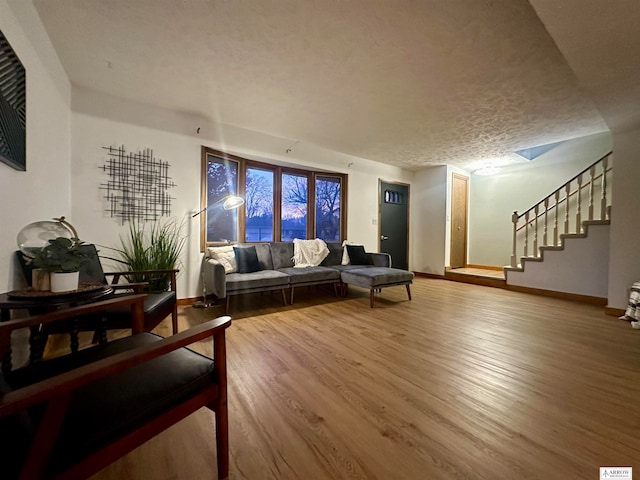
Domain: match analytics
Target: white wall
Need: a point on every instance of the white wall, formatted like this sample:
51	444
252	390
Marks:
43	191
517	188
624	255
581	268
99	120
429	220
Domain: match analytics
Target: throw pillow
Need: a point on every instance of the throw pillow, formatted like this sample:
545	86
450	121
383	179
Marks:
345	253
357	255
247	259
225	256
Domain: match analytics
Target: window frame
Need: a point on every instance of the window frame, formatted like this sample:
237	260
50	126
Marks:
278	170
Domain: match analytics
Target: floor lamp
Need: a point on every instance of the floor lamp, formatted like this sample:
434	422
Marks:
230	202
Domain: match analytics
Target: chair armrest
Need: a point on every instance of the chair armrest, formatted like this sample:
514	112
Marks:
136	303
137	287
63	384
120	300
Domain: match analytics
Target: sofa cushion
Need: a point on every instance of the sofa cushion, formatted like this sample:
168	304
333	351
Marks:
256	280
311	275
263	251
357	255
282	255
247	259
335	254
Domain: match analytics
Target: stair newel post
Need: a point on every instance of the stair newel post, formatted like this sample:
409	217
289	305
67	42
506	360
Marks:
546	216
526	234
535	231
555	218
603	193
514	254
578	202
592	174
567	189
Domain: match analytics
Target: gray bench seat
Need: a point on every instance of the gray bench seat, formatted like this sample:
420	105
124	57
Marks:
377	278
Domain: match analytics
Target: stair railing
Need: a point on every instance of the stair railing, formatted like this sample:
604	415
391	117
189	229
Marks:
562	209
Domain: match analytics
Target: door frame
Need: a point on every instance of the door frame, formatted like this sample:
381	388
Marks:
380	195
466	218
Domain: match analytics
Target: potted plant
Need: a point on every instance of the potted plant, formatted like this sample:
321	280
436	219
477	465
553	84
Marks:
62	258
156	247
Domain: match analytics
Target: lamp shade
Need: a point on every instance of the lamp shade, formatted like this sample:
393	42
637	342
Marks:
232	201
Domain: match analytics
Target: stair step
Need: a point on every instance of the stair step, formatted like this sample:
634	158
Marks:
596	222
573	235
513	269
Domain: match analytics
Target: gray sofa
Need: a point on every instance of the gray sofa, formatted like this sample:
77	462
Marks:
278	273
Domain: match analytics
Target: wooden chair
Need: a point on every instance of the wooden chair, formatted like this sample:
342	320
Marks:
157	305
69	417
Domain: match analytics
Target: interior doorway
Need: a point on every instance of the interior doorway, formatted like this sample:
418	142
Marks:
393	201
459	206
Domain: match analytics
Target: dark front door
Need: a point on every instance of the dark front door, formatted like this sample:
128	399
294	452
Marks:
394	222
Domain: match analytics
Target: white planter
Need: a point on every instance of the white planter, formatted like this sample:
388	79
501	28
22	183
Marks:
64	282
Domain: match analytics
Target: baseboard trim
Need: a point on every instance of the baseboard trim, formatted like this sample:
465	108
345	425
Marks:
451	275
187	301
614	312
599	301
485	267
429	275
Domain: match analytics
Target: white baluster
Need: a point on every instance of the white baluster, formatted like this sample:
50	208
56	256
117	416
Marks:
567	192
603	193
526	234
592	174
578	206
546	216
514	253
555	218
536	252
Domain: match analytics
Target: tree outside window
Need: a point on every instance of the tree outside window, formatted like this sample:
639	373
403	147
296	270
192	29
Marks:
259	205
222	180
294	207
328	208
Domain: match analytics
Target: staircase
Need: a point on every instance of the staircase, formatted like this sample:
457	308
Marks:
574	220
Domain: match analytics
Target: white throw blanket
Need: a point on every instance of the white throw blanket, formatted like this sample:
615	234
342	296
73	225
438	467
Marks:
309	253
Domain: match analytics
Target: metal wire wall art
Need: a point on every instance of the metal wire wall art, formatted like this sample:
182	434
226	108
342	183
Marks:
137	185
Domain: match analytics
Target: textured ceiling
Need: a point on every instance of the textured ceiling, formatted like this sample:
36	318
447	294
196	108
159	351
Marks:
406	82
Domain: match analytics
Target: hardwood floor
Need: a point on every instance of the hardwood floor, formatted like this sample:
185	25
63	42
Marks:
464	382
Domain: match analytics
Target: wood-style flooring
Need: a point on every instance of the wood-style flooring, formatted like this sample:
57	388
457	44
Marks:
462	382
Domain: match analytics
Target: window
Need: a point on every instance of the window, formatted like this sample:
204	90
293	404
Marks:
328	205
259	205
295	189
278	201
222	180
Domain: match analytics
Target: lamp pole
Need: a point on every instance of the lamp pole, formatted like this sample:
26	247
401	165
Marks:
230	202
